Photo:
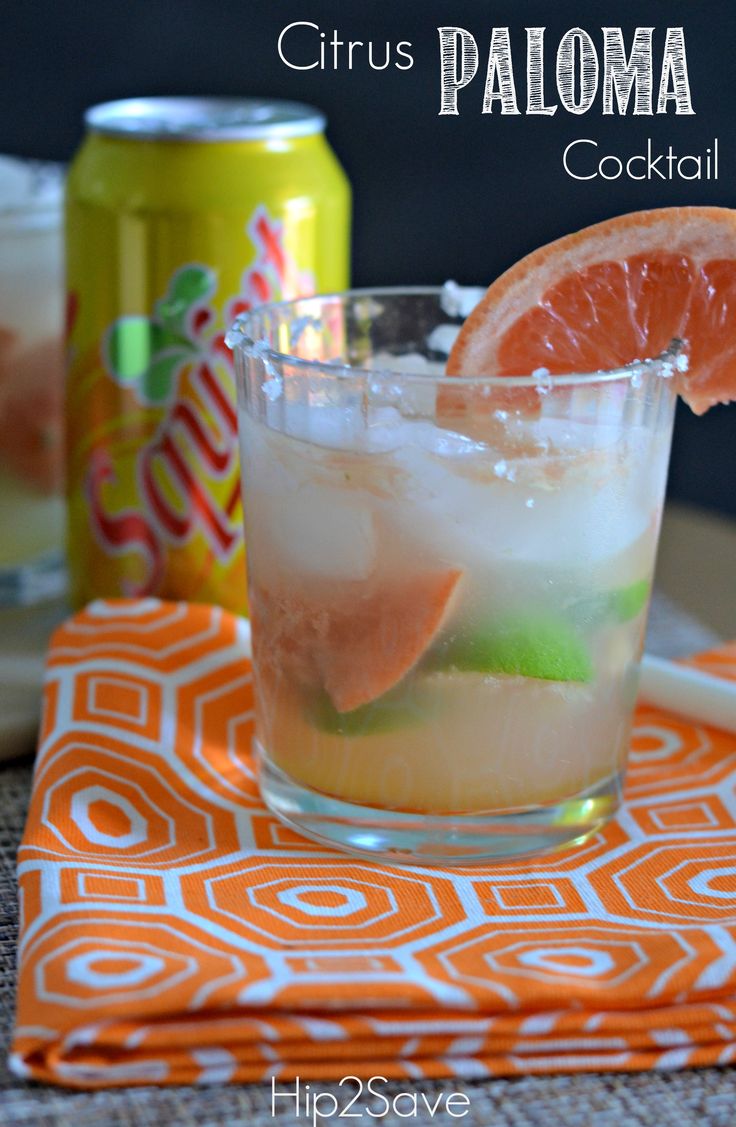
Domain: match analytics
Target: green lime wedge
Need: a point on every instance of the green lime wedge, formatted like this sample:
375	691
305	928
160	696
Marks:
627	602
621	604
544	647
390	712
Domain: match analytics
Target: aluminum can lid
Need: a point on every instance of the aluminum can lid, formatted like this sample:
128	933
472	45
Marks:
204	119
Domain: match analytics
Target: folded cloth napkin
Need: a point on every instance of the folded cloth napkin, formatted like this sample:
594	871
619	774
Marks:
173	932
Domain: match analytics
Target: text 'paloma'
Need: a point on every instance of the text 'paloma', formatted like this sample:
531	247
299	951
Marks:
625	77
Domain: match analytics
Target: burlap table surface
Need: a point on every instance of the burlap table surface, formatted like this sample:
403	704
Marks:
691	1098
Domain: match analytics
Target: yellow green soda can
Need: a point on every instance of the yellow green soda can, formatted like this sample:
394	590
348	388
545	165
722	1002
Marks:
181	213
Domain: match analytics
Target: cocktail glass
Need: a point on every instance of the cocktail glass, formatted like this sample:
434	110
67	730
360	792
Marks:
448	579
32	568
31	374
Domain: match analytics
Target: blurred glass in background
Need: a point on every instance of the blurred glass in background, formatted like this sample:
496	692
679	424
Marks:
32	572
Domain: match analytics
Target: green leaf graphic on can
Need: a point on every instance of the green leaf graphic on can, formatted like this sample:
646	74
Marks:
189	286
159	380
147	353
129	348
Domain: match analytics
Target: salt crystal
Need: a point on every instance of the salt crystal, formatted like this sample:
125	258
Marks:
544	380
273	389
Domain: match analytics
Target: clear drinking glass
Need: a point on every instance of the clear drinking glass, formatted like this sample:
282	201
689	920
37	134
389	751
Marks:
448	579
32	571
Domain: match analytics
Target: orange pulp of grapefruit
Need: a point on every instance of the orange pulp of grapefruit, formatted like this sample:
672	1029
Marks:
614	293
356	644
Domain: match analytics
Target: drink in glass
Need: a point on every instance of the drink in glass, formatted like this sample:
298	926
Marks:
448	579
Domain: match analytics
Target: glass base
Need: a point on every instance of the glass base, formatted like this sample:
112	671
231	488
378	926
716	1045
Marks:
406	838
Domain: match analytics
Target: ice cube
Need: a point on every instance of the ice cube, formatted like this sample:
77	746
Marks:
412	362
437	440
442	338
29	183
300	508
474	508
460	301
328	425
319	532
14	182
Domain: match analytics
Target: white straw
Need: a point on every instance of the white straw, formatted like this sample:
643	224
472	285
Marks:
688	692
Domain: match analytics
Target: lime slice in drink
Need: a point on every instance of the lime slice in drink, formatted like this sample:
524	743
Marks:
544	647
621	604
627	602
395	709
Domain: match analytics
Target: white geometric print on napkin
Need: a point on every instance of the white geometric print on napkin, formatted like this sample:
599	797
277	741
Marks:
172	931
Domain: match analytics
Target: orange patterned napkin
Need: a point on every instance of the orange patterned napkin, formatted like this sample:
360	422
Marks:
173	932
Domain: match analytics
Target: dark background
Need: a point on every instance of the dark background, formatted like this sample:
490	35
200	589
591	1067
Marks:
435	197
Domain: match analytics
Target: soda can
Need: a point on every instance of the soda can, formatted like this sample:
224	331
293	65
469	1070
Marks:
180	214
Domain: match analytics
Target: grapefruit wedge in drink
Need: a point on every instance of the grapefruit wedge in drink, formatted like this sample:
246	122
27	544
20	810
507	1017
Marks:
449	570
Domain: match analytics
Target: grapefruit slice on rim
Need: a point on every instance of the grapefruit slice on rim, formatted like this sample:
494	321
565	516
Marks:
611	294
